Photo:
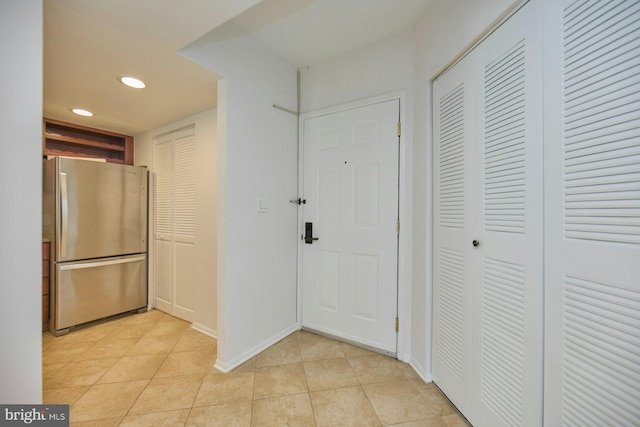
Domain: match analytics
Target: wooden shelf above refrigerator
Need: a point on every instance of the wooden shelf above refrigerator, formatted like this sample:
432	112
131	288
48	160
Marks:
67	139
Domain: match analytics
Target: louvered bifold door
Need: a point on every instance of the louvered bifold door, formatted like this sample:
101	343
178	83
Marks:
592	204
507	263
163	223
184	222
452	168
174	167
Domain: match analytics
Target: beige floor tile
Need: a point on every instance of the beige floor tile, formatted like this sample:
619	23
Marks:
226	388
58	352
343	406
47	338
212	370
452	420
156	315
63	396
435	398
137	330
315	347
248	366
106	401
399	402
377	368
154	345
168	327
185	363
79	373
49	370
89	334
192	340
165	394
282	380
157	419
281	353
108	349
147	317
132	368
227	415
354	351
410	373
327	374
108	422
283	411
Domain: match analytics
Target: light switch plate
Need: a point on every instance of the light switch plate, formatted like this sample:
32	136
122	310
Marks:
263	205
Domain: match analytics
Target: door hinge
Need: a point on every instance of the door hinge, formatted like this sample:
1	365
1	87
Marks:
399	129
398	227
397	324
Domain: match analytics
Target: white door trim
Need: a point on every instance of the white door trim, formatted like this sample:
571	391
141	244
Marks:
402	350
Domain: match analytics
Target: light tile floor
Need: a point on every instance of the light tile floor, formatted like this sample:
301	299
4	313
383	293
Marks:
152	369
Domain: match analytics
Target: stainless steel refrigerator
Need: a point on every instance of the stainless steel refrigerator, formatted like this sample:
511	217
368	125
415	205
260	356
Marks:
95	215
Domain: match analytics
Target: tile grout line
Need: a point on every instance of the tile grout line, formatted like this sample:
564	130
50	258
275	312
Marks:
304	373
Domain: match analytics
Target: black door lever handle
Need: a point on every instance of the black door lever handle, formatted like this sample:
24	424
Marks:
308	233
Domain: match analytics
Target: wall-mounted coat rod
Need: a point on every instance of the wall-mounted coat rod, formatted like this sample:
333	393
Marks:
286	109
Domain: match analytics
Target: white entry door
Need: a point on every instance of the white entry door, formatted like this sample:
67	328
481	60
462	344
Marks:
349	274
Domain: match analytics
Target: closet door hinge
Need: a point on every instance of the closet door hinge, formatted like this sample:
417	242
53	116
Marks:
399	129
398	227
397	324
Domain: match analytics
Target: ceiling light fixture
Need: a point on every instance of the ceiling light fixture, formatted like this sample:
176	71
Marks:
132	82
81	112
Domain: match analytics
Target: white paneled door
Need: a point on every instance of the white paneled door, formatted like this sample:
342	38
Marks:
488	254
349	274
592	194
174	167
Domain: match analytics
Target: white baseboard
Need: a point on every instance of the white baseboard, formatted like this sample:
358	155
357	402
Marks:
226	367
422	372
205	330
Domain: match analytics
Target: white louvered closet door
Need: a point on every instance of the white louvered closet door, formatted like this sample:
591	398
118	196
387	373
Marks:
507	266
488	238
452	233
174	166
592	204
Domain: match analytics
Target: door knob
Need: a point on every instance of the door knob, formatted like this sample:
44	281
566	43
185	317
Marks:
308	233
476	243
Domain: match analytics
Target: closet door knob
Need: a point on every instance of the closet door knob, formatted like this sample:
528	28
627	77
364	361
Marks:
476	243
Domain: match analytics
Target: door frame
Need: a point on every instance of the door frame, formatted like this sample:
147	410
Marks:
404	311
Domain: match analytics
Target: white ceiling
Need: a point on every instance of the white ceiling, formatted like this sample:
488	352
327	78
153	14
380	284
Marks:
89	43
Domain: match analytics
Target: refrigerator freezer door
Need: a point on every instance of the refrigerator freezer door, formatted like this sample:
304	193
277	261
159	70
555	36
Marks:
102	209
90	290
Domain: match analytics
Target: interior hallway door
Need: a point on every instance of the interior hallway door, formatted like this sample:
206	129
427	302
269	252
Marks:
350	184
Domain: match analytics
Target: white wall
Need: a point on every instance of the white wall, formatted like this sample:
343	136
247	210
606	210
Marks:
257	157
205	310
21	206
444	31
379	68
382	67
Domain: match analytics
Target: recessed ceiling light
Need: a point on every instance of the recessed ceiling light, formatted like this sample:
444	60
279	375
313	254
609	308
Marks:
133	82
81	112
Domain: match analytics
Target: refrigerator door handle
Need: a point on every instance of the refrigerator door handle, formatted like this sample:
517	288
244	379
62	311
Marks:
101	263
64	213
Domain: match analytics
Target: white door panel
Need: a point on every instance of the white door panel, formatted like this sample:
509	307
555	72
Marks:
351	191
164	271
592	181
175	172
507	299
453	225
488	227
